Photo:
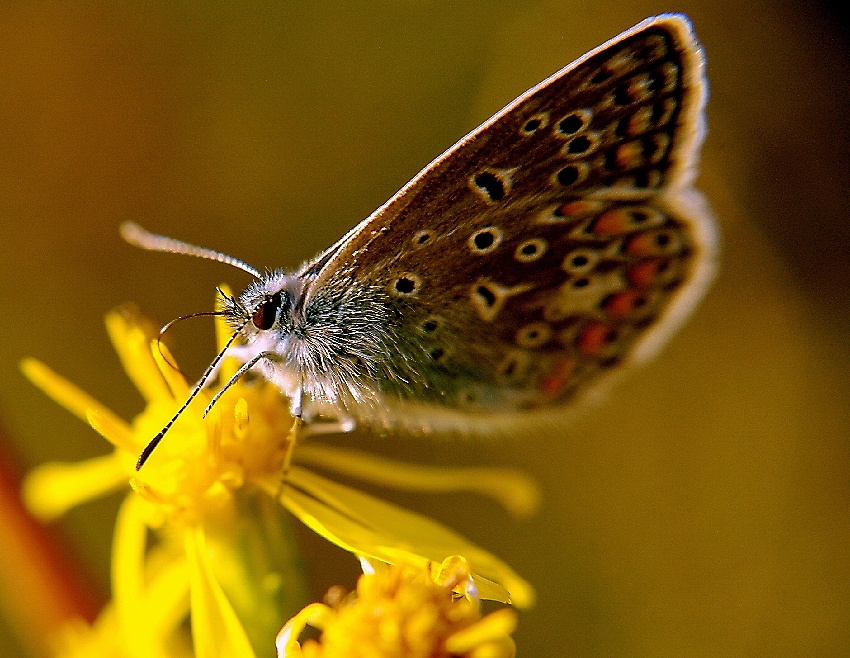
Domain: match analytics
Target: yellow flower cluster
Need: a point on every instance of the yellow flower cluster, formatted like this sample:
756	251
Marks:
404	612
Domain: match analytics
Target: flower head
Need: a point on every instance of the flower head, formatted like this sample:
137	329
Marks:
403	612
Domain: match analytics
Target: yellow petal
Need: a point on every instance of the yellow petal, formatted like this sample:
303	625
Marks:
113	429
128	565
496	626
216	631
166	365
167	595
516	492
52	489
368	526
133	349
66	394
316	615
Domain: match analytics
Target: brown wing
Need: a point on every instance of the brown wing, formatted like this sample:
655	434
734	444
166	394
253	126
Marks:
555	242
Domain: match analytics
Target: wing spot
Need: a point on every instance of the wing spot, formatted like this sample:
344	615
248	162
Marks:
485	241
422	237
579	261
490	185
513	366
582	145
407	285
636	124
530	250
488	297
437	354
619	221
534	124
534	335
621	96
572	174
574	123
654	243
429	325
493	184
595	338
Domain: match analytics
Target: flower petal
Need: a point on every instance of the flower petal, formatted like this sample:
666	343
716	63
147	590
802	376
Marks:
52	489
216	631
128	565
496	626
66	394
133	348
365	525
165	363
514	490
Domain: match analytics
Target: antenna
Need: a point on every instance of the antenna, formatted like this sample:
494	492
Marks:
139	237
154	442
171	323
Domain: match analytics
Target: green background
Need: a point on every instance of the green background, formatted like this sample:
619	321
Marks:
701	511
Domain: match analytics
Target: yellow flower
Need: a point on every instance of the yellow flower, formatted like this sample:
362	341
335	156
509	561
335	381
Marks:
193	491
403	612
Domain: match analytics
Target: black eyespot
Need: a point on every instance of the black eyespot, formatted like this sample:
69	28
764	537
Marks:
532	125
621	96
486	295
437	353
581	283
405	286
578	145
429	326
491	185
483	240
572	124
266	313
568	175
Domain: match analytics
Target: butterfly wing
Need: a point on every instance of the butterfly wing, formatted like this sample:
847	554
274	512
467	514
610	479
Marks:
548	248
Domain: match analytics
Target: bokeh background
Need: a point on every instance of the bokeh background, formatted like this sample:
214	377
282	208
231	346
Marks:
701	511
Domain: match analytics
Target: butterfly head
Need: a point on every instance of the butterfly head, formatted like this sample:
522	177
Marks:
268	310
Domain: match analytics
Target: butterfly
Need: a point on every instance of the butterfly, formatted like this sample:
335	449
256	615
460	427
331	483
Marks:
553	246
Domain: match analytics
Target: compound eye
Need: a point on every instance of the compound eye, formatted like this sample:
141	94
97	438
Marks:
266	313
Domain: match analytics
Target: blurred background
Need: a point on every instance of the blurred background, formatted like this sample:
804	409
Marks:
702	510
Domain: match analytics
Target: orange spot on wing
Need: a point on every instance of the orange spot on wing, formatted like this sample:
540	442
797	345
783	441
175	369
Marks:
642	245
629	155
621	305
594	338
613	222
578	208
645	273
554	382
